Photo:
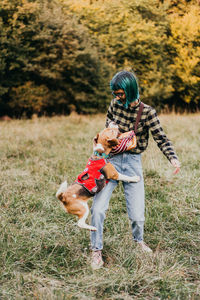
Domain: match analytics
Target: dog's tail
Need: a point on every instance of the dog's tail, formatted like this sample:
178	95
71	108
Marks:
61	190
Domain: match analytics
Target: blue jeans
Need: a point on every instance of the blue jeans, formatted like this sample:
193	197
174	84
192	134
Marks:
127	164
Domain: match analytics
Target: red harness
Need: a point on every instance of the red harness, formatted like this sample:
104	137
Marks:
92	178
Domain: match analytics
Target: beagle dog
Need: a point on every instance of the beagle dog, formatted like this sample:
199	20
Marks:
93	179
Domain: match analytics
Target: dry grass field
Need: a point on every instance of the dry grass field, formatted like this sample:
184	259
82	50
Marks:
43	255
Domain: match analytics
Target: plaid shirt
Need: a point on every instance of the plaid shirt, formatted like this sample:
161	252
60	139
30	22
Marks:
125	118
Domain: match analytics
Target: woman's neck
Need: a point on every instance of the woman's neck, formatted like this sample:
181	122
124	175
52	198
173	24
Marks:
135	103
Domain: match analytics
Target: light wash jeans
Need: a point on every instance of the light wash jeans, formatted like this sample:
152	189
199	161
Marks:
127	164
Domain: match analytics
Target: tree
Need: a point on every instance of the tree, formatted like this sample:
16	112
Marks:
158	39
133	35
186	62
46	49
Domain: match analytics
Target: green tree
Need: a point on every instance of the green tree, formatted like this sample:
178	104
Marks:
14	17
43	47
134	35
29	98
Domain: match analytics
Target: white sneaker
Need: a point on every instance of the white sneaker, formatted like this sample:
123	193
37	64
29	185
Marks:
144	247
96	261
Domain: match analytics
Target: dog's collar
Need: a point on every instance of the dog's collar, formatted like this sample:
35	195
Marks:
104	155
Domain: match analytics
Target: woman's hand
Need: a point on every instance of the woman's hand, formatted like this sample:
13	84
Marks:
113	125
176	164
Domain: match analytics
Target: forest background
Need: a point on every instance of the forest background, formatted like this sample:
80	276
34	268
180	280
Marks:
58	56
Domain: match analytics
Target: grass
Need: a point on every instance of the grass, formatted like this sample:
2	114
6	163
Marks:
43	255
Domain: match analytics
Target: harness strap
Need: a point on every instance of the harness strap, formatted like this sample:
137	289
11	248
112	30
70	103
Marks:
138	116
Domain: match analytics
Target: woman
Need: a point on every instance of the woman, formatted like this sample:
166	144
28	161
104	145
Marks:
122	113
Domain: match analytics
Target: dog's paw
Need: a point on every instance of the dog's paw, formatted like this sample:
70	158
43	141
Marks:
135	179
93	228
82	224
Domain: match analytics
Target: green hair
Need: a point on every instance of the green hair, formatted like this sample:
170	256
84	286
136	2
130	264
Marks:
126	81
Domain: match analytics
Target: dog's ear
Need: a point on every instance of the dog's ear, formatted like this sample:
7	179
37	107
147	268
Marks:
95	140
96	146
113	142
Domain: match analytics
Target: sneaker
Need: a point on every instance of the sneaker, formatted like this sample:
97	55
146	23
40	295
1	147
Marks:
144	247
97	261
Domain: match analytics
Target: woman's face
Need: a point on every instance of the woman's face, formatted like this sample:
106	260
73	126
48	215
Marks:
119	95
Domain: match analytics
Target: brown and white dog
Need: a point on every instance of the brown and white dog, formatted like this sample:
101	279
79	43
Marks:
75	197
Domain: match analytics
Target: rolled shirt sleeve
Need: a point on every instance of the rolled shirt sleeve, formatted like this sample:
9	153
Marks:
159	135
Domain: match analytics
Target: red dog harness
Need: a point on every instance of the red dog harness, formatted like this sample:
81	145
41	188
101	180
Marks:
92	178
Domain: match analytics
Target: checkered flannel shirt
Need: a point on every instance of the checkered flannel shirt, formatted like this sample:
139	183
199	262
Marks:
125	118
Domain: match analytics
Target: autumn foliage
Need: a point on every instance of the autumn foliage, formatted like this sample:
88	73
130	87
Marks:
59	56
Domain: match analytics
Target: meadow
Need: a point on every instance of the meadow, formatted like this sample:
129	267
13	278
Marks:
44	255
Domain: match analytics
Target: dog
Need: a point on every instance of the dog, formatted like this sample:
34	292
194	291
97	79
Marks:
94	178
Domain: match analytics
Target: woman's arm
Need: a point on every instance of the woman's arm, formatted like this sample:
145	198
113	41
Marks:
161	139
